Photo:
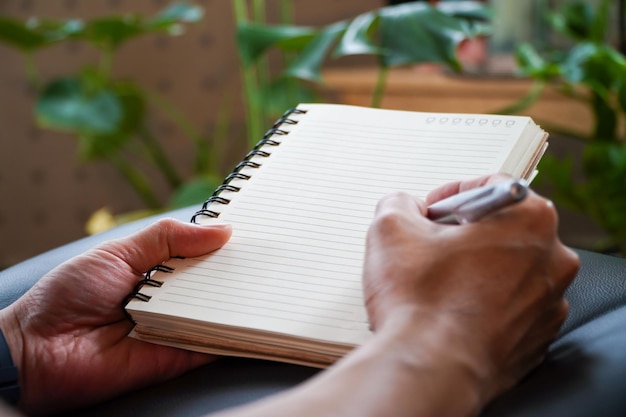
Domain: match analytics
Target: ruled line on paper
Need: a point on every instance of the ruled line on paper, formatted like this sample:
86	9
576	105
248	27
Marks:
287	299
270	282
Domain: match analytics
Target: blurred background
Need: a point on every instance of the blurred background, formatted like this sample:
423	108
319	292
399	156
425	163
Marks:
47	195
50	191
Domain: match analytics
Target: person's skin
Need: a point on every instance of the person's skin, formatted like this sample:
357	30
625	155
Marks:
67	334
459	312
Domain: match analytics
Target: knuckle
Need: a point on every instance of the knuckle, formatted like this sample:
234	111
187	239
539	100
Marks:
569	266
392	200
543	210
388	220
540	218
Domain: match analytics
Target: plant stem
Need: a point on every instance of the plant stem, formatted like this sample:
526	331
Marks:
220	134
261	69
159	158
106	62
136	180
251	93
202	145
286	11
526	101
286	14
258	11
32	75
239	9
379	88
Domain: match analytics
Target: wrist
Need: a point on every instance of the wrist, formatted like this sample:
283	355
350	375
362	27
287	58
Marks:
11	347
434	347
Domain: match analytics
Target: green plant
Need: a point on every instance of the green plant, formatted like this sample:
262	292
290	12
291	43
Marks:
109	116
591	71
404	34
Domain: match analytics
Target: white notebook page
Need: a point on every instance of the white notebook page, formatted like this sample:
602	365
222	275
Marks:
294	261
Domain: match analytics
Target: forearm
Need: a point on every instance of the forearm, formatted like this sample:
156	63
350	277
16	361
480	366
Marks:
408	369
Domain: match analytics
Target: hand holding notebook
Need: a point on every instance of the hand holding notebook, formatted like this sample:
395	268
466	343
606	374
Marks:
288	284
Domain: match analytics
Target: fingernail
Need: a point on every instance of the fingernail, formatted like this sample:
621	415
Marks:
217	225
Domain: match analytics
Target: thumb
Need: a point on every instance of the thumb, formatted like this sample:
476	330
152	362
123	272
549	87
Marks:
169	238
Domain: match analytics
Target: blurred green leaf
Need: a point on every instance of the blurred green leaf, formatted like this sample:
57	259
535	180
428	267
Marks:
557	174
194	192
357	38
66	104
36	33
594	64
416	32
171	18
103	117
574	20
606	122
531	63
56	30
18	35
621	96
253	40
474	16
110	32
133	103
605	166
285	93
308	65
601	21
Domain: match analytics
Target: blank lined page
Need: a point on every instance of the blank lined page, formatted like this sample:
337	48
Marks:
293	264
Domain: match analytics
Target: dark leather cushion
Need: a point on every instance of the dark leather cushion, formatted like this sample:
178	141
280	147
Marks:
584	374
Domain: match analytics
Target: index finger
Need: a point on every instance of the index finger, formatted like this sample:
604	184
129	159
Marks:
456	187
402	202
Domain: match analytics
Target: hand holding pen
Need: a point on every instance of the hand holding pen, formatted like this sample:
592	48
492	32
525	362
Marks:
472	205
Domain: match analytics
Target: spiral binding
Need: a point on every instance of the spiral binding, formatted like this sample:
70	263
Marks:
147	280
269	139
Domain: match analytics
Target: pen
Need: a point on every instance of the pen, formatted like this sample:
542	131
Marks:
472	205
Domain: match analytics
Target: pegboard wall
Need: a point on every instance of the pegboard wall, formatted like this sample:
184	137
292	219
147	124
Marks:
46	194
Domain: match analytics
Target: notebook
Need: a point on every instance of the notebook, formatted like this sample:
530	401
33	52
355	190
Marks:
287	286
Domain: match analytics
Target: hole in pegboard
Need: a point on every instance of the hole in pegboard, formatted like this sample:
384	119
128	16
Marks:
39	218
37	177
34	134
73	48
29	90
208	83
166	129
81	215
70	5
80	175
164	85
205	40
26	5
161	42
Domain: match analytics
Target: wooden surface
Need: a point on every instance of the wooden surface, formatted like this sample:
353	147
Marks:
424	90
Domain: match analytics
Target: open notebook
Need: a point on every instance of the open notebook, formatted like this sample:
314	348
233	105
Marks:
287	286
